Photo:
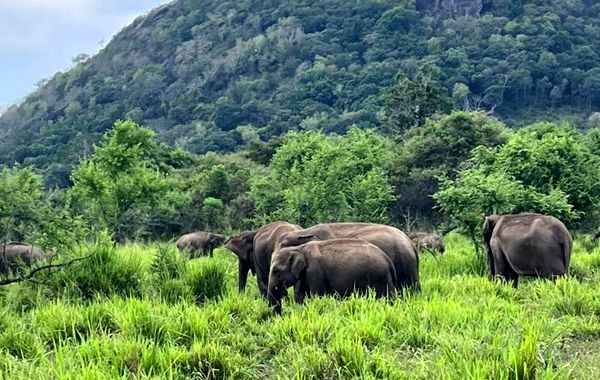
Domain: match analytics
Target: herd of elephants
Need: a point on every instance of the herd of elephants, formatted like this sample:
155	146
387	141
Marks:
344	258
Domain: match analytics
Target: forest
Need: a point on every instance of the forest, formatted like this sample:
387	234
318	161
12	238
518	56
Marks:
207	75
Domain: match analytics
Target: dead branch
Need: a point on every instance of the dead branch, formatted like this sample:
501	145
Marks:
31	274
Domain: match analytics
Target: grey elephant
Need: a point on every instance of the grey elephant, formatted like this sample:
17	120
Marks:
199	243
526	245
338	266
254	250
399	248
427	241
15	256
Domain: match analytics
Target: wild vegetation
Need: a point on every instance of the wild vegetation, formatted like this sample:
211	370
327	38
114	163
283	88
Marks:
145	312
215	75
223	116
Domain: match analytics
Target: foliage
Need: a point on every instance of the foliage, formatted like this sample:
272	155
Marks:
544	168
28	213
118	186
411	101
195	72
437	149
317	178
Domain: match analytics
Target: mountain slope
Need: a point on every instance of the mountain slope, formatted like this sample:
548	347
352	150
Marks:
195	71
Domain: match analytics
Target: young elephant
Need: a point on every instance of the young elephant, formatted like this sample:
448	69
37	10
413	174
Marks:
338	266
199	242
254	250
527	245
15	256
426	241
399	248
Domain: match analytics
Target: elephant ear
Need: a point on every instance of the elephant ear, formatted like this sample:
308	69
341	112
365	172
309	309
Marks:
216	240
297	263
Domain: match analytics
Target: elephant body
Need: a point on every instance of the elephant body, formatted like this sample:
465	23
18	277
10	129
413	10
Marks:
427	241
254	250
200	242
14	256
399	248
527	245
337	266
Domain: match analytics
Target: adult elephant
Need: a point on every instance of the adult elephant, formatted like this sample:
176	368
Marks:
14	256
399	248
338	266
254	250
426	241
200	242
526	245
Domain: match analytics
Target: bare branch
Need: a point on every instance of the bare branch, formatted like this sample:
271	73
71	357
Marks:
31	274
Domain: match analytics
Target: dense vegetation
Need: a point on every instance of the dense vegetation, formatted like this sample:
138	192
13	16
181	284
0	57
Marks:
222	116
215	75
153	315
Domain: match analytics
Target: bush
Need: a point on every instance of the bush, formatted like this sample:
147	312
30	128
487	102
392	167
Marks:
168	263
104	273
207	280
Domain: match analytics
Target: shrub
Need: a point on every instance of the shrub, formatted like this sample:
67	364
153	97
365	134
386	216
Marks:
207	280
103	273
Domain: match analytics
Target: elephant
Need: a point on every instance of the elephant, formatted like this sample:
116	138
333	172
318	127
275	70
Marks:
200	242
14	256
400	249
526	245
337	266
426	241
254	250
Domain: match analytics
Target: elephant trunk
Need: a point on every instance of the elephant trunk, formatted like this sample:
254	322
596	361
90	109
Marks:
274	297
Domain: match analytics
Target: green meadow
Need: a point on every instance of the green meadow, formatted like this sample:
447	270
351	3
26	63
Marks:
143	311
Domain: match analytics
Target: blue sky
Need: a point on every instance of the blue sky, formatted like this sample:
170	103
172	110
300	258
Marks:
39	37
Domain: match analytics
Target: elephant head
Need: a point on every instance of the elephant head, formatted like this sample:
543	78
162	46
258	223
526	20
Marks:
242	245
287	266
216	240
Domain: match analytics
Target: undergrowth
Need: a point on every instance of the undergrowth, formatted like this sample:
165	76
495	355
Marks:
146	312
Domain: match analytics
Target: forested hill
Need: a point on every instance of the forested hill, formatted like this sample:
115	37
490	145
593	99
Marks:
206	75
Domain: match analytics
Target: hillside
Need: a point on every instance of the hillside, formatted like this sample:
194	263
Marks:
197	71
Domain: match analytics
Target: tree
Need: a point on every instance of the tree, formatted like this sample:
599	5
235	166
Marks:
436	149
120	183
27	213
315	178
545	168
412	100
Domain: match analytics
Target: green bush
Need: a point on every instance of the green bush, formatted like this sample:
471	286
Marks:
103	274
207	280
168	263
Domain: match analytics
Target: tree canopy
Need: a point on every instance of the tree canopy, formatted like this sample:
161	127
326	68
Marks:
200	74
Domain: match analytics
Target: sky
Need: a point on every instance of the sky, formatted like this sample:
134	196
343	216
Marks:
40	37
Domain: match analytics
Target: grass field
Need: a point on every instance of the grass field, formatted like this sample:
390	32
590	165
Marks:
128	314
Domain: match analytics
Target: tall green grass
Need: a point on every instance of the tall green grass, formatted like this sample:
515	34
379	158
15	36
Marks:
181	319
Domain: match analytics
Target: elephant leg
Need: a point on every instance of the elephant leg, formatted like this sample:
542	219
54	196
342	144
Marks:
504	271
514	278
491	264
210	251
262	288
243	269
299	292
317	287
